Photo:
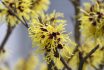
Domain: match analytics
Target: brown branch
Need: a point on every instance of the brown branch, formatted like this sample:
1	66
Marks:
62	60
64	63
26	24
101	67
86	57
56	54
9	31
74	51
76	4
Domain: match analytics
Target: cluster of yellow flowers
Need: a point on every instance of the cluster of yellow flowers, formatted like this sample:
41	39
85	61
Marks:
92	28
11	9
48	32
92	22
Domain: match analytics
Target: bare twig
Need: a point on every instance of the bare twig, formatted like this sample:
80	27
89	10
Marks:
86	57
56	54
9	31
62	60
65	63
101	67
75	50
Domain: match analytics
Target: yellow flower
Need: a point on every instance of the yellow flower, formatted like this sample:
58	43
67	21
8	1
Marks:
37	6
19	7
92	22
48	32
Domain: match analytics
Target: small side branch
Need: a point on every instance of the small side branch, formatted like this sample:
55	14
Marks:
74	51
26	24
9	31
76	4
63	61
52	64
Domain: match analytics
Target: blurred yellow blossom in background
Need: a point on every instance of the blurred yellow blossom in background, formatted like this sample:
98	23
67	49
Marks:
93	28
38	6
19	9
27	64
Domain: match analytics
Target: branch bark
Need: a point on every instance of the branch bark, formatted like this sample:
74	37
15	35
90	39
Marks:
65	63
76	4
